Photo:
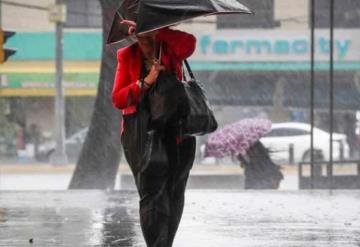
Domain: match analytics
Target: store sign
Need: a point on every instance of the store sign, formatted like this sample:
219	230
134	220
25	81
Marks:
57	13
277	46
78	84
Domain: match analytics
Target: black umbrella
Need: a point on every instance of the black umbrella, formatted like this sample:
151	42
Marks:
150	15
119	32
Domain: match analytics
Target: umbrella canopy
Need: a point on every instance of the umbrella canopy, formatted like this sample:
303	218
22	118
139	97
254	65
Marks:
128	10
150	15
236	138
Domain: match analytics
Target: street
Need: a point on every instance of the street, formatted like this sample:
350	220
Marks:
211	219
270	90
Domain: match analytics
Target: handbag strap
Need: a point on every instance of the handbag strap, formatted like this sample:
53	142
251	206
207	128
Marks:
189	70
160	51
142	76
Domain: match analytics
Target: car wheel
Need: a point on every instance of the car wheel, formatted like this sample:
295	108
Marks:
318	155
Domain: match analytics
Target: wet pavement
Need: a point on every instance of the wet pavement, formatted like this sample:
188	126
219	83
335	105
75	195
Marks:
211	219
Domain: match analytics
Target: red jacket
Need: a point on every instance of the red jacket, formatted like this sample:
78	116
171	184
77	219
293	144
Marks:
176	47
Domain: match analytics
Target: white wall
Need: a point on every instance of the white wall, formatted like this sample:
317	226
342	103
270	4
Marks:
26	19
293	14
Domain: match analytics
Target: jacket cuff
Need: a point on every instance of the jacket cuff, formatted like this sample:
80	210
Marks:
135	91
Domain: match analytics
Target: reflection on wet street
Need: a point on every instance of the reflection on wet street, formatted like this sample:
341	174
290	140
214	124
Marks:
211	218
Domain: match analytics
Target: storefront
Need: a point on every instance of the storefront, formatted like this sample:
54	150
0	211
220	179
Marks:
245	72
27	83
270	69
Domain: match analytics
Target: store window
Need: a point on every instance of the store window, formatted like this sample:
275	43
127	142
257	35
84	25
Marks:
347	13
83	14
263	18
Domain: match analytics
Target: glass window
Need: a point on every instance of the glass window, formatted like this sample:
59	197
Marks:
286	132
83	14
264	17
347	13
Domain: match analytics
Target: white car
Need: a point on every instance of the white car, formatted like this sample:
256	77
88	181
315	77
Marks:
73	146
283	135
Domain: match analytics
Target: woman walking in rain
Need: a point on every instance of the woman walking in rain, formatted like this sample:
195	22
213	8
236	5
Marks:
161	177
259	169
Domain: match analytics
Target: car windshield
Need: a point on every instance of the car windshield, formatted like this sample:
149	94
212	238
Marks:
286	132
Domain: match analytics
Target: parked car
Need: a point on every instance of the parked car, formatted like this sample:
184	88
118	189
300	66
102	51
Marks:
73	146
283	135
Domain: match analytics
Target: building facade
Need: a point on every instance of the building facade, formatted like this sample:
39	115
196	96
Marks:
251	65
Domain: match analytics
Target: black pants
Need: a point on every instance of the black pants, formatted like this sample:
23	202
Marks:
161	168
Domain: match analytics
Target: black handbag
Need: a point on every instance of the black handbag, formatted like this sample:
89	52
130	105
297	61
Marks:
182	105
166	98
200	119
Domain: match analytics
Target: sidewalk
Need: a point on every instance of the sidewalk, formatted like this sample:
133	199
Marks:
211	219
45	176
124	169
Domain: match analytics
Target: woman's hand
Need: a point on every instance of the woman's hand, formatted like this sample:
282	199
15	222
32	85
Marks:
154	73
131	25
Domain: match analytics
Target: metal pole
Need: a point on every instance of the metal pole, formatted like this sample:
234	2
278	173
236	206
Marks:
330	170
312	89
0	27
1	13
59	156
291	154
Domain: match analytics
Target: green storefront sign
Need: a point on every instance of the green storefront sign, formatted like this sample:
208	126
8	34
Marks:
40	46
85	47
40	80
